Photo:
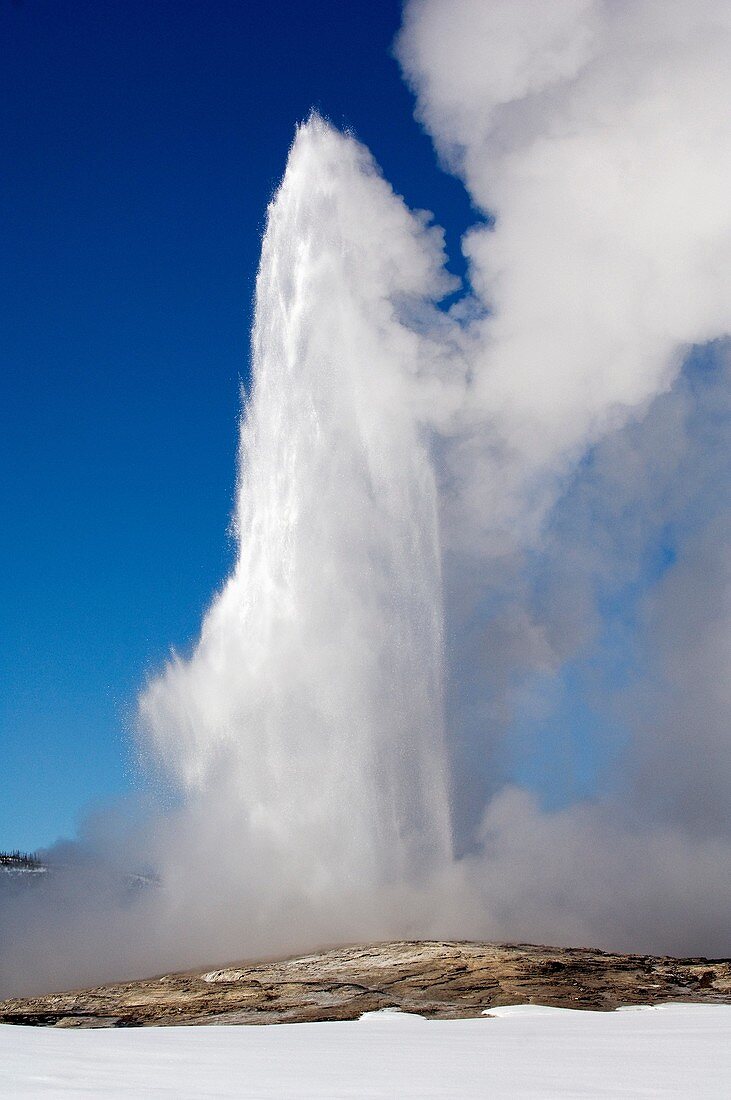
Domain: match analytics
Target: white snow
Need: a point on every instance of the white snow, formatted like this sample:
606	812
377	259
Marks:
524	1051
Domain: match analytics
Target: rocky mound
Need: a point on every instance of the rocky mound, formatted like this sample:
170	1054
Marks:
443	980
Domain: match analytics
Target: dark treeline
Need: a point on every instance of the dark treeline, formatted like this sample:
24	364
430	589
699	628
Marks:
17	858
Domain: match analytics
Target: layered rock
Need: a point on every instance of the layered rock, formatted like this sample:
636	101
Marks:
437	979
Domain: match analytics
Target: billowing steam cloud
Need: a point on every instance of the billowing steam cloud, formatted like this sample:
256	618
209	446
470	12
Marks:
468	677
586	491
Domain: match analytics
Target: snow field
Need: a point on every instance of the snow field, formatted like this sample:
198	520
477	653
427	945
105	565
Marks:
525	1051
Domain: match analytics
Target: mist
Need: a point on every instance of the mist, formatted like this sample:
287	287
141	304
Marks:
468	677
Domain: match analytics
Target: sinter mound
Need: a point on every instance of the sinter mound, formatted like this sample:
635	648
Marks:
437	979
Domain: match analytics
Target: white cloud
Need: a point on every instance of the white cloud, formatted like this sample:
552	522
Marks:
597	135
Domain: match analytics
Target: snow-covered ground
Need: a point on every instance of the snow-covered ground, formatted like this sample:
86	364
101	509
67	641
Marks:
673	1050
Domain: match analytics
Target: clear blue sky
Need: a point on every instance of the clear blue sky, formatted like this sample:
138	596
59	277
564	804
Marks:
141	142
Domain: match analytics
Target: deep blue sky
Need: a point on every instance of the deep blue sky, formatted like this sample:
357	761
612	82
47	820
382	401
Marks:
141	143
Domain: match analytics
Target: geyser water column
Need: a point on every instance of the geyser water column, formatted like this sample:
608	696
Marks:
313	702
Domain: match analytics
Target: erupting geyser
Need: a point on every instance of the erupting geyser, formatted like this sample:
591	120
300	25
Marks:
469	674
317	684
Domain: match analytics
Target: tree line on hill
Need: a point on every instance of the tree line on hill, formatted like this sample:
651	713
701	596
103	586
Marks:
27	861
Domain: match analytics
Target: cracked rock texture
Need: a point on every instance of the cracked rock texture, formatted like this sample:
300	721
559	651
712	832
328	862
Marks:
438	979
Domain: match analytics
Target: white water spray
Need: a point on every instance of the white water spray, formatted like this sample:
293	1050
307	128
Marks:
317	685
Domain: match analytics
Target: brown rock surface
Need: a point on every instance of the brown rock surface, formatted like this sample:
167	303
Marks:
433	978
